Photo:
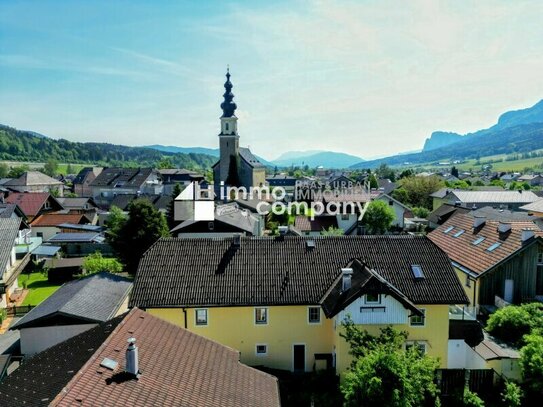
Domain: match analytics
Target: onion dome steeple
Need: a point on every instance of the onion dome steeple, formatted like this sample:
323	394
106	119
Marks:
228	106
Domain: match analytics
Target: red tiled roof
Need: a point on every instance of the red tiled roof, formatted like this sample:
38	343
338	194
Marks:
178	368
320	223
477	258
55	219
29	202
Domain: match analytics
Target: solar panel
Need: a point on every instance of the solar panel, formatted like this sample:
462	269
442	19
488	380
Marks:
459	233
448	229
417	271
478	240
493	247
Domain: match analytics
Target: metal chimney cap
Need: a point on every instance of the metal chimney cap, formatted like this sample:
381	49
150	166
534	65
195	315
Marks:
131	340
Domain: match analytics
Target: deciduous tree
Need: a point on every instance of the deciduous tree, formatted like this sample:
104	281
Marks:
378	217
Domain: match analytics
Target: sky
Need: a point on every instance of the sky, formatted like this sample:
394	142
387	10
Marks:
368	78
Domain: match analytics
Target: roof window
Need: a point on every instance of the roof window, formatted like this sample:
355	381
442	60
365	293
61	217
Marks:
493	247
459	233
417	271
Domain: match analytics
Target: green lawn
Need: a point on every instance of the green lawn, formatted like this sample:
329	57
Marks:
39	288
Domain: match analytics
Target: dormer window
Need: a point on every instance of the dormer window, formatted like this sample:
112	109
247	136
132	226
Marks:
372	299
226	126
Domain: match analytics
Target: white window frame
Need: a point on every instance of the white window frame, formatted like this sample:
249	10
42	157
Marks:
378	302
261	354
196	323
267	321
309	315
423	320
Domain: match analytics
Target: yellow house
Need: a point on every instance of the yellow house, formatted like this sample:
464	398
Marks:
281	301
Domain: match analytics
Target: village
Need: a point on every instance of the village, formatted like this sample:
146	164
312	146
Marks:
236	299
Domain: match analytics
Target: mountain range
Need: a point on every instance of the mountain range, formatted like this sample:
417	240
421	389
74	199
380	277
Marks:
516	131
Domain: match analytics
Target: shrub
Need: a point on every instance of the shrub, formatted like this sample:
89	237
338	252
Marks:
512	395
511	323
531	361
471	399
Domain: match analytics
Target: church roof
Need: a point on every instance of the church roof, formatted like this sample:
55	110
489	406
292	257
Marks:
249	157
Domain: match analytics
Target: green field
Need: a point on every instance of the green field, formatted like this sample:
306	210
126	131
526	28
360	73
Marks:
39	287
62	167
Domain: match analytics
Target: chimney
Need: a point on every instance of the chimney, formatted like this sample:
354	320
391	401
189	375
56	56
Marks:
526	234
346	275
478	221
504	227
132	357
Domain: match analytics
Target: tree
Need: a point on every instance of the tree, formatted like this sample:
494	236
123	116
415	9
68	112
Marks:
4	170
385	172
165	163
512	395
170	211
419	189
531	361
420	212
511	323
400	194
406	173
96	263
378	217
373	182
333	232
144	226
16	172
70	169
454	172
382	373
471	399
114	223
51	167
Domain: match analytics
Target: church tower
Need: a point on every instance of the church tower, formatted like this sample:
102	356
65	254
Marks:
229	138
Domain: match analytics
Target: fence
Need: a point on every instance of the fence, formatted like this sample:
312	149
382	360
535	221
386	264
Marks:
452	383
18	310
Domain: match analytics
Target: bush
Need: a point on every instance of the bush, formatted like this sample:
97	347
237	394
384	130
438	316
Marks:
511	323
3	315
512	395
471	399
531	361
420	212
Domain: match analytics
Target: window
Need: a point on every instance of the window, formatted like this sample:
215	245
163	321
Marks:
226	126
391	202
261	350
344	216
201	317
372	299
478	240
420	346
459	233
417	271
468	281
314	315
493	247
540	258
261	316
39	234
417	320
448	229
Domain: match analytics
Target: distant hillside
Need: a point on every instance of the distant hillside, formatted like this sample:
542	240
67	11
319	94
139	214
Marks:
518	139
214	152
327	159
18	145
512	118
440	139
185	150
517	131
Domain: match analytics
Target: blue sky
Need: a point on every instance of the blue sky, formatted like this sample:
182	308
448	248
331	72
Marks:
363	77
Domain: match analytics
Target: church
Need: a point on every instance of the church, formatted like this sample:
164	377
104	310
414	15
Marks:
237	166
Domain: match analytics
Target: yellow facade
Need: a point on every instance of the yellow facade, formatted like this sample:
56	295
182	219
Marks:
235	327
471	288
289	325
434	333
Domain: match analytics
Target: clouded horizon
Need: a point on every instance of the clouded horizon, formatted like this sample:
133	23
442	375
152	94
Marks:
368	78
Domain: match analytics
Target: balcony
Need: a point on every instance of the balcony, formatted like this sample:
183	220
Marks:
462	313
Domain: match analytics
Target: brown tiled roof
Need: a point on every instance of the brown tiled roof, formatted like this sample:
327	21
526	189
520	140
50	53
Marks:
320	223
476	257
55	219
178	368
267	271
30	202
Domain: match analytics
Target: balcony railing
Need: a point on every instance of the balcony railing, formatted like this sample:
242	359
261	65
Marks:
463	313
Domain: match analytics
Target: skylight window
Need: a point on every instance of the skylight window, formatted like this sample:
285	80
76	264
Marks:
448	229
459	233
417	271
493	247
478	240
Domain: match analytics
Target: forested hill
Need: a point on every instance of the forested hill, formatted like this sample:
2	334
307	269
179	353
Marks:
18	145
